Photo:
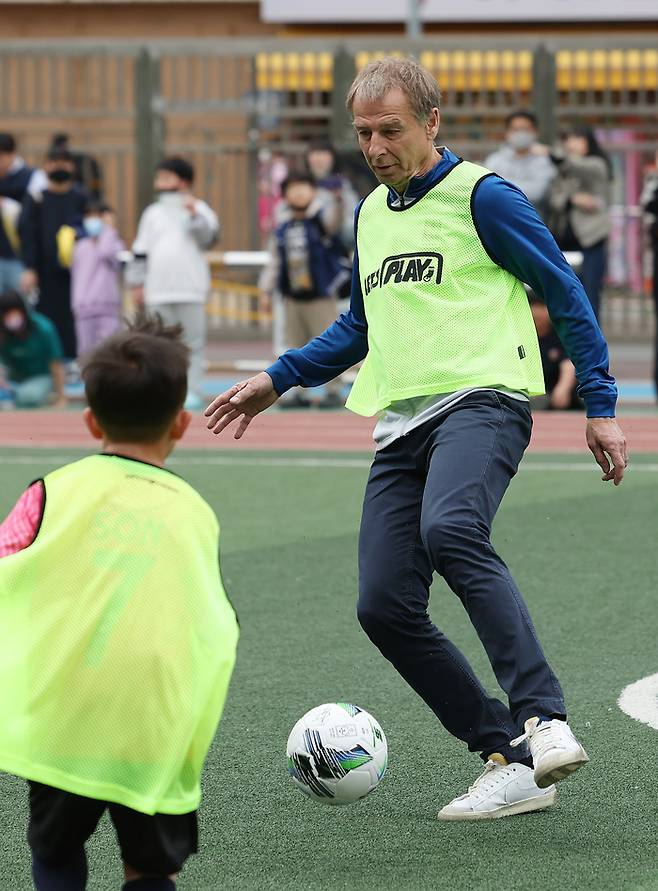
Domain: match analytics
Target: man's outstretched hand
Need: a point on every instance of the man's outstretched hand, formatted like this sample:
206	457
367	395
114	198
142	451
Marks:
244	401
608	445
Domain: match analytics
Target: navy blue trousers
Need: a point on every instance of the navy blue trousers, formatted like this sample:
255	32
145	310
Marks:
429	505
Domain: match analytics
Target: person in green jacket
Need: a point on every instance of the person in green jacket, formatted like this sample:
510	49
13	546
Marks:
117	638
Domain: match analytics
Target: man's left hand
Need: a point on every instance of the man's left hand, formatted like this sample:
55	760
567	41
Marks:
189	203
607	443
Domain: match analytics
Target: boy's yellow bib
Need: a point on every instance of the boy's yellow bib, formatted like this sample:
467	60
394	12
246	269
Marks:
442	315
117	640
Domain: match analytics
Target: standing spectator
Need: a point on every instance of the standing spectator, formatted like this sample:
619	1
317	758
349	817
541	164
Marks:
335	193
31	353
11	267
523	160
172	236
17	179
95	292
649	202
47	228
88	172
310	270
579	202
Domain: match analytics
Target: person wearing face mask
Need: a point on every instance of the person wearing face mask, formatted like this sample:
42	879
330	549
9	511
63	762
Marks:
523	160
579	204
95	291
173	234
31	354
47	227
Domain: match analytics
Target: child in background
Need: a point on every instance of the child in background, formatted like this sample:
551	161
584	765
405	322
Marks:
95	292
309	267
172	236
116	635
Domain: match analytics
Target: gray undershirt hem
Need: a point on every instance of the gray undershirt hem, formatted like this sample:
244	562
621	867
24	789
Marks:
405	415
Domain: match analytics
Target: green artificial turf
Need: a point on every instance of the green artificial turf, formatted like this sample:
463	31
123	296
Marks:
585	557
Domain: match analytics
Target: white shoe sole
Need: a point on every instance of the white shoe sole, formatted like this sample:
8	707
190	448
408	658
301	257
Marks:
536	803
559	767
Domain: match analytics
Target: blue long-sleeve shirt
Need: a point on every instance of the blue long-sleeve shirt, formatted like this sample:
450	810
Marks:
514	237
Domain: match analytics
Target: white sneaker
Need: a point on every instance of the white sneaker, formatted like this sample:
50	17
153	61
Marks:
555	750
502	790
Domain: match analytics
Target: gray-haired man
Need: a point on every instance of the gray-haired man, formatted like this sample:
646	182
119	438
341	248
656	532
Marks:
440	315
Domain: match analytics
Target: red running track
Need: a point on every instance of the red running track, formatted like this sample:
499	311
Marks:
308	431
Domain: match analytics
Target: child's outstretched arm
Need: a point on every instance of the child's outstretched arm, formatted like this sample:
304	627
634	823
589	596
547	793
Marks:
21	526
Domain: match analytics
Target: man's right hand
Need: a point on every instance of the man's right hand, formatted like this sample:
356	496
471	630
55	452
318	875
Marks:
244	401
29	281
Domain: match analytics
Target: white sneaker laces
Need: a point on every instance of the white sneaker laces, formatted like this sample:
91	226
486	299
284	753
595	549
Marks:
486	781
542	737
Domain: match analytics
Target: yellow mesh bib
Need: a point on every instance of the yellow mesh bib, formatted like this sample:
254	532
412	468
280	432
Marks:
117	640
442	315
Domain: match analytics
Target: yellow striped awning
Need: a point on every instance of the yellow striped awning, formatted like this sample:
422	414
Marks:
475	70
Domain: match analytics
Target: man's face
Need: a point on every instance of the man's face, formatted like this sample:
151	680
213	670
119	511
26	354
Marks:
521	134
6	160
394	142
56	170
167	181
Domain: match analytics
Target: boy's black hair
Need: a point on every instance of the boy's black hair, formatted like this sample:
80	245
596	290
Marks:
293	178
136	380
182	168
522	113
7	144
60	154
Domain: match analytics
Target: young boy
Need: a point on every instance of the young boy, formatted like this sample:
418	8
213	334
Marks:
117	640
172	236
95	291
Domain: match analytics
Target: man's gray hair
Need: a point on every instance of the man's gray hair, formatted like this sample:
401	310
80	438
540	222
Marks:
379	77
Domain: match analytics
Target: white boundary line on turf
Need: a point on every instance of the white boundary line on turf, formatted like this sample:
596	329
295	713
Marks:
640	700
244	460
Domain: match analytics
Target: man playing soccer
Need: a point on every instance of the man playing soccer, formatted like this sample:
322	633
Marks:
440	315
117	640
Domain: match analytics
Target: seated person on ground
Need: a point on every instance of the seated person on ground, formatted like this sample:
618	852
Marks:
559	373
31	353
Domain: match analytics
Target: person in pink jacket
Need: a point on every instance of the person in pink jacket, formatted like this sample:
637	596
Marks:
96	295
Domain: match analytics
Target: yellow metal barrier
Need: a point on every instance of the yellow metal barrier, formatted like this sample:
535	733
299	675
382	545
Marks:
236	304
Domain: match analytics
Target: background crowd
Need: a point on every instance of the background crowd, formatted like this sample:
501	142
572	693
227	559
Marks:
60	270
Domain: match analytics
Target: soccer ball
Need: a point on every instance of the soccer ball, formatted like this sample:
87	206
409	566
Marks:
337	753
